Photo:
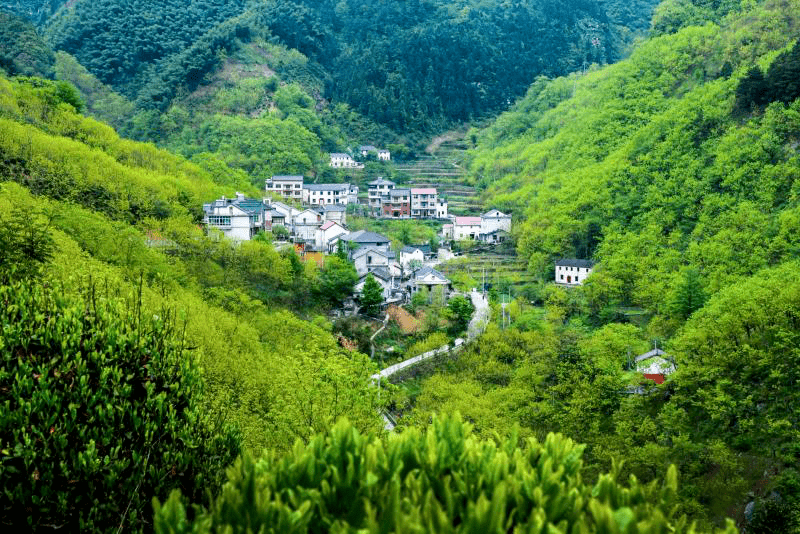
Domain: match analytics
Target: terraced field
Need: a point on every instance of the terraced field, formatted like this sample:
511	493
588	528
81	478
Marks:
442	169
499	270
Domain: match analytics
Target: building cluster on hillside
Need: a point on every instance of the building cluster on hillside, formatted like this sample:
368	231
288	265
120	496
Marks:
342	160
387	200
492	227
321	229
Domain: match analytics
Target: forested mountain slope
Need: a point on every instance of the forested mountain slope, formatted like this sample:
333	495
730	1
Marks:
409	65
654	165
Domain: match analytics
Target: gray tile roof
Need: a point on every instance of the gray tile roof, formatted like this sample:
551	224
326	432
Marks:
574	263
363	236
327	187
288	178
425	271
381	181
653	353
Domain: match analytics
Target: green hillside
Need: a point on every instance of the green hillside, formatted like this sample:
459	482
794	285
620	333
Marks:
651	166
124	217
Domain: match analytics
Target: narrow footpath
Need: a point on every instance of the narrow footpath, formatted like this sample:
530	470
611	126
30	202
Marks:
477	325
481	316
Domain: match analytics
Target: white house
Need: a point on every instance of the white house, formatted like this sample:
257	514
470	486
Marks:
384	279
335	212
383	154
344	161
409	254
655	365
466	228
326	236
322	194
363	238
571	272
305	225
427	279
495	220
441	209
352	195
289	187
369	258
239	218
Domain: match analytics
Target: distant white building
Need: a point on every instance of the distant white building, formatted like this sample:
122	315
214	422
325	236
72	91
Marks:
327	236
466	228
384	279
322	194
655	365
427	279
305	225
382	154
344	161
239	218
416	253
289	187
495	220
572	272
441	208
368	258
424	203
335	212
352	194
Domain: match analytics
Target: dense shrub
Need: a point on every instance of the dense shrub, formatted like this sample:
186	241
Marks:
442	481
99	412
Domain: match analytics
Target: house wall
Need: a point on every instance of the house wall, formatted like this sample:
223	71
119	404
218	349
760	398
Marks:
407	257
396	210
573	276
466	231
655	366
490	224
364	265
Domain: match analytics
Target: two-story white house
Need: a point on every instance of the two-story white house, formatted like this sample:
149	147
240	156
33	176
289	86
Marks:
466	228
340	160
322	194
495	220
289	187
335	212
381	153
441	208
414	253
305	225
368	258
239	218
571	272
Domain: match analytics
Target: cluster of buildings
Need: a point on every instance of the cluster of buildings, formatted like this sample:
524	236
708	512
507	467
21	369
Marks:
319	229
387	200
294	188
341	160
492	227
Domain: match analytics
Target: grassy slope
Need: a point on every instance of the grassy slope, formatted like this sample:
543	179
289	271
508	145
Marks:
93	184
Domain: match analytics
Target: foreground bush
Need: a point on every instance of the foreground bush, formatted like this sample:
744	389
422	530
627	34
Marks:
99	413
441	481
